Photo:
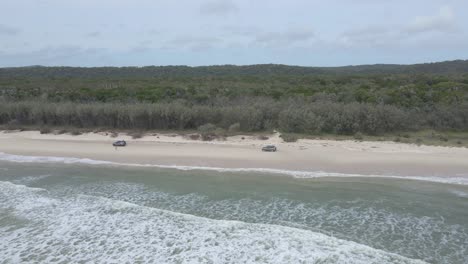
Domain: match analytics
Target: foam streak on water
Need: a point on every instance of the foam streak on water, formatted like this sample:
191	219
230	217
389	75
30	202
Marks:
293	173
371	223
83	228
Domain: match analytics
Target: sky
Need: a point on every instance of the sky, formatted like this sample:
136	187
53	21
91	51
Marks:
213	32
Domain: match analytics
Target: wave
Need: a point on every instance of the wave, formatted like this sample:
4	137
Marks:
80	228
49	159
460	193
460	180
364	221
26	180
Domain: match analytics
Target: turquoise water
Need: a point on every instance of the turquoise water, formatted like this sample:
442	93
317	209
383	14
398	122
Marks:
106	213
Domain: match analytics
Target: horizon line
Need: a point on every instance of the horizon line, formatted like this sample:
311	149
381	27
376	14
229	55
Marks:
237	65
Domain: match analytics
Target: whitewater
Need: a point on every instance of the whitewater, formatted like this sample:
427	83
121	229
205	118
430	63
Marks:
87	228
69	210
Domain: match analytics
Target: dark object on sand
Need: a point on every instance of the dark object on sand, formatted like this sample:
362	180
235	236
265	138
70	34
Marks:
119	143
269	148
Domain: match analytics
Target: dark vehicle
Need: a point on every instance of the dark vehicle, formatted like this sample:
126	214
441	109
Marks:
120	143
269	148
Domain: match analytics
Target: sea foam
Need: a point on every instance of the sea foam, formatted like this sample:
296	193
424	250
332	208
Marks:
83	228
365	221
461	180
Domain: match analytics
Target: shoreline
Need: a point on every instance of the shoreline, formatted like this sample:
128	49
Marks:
457	180
244	152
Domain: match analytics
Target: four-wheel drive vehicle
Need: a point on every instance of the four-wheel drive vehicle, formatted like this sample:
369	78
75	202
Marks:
269	148
119	143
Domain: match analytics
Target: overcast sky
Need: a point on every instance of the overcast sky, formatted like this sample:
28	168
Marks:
207	32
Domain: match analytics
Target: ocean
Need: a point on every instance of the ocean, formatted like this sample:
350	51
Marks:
60	210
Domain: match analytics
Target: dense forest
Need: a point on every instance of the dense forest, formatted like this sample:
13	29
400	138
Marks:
369	99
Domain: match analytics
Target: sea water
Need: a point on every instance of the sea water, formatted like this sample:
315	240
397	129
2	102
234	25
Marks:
53	211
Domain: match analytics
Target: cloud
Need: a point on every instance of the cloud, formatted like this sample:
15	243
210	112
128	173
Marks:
93	34
284	38
369	36
7	30
240	30
184	40
54	55
241	37
260	30
444	22
396	35
193	43
142	47
218	7
200	47
154	32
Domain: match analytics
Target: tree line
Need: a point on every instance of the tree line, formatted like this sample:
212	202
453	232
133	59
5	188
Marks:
294	116
370	99
446	67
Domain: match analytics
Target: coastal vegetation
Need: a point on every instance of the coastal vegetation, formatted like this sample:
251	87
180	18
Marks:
355	101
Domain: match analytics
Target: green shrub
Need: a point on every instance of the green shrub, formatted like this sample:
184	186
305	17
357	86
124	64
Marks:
234	128
61	131
45	130
289	137
207	131
13	125
406	135
136	134
220	133
359	136
443	138
194	136
76	132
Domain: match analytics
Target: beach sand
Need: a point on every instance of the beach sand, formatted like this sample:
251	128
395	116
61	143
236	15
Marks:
351	157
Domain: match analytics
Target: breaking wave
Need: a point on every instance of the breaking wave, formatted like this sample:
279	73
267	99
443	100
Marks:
84	228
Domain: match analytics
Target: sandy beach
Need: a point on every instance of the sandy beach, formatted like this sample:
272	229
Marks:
380	158
361	202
